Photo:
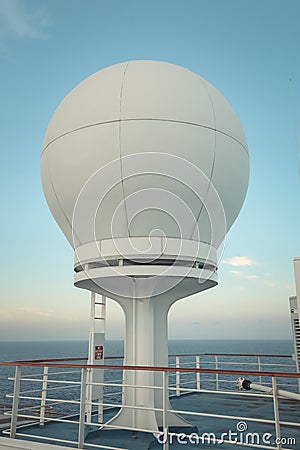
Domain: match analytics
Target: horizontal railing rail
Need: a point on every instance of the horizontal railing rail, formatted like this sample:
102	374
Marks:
152	369
182	377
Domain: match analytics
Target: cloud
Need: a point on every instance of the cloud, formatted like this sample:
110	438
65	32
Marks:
16	21
36	312
5	314
240	273
270	284
25	309
239	261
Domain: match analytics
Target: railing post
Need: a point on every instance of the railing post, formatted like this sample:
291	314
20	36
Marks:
89	390
81	429
101	399
15	406
259	368
177	377
276	413
165	412
217	375
44	396
198	373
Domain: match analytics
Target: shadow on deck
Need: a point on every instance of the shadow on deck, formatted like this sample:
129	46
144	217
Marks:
240	429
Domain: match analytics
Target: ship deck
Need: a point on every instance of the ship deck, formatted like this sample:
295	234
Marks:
50	405
241	428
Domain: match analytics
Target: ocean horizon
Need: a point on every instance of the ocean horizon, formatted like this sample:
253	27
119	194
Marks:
47	349
35	349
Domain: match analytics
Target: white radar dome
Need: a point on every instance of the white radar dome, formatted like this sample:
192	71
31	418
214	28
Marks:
145	168
144	163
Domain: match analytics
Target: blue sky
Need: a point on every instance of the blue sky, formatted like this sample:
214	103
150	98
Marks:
249	50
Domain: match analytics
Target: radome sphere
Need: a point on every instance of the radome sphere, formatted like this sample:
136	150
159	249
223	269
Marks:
154	117
145	168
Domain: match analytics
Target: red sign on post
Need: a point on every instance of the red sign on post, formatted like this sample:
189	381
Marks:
98	352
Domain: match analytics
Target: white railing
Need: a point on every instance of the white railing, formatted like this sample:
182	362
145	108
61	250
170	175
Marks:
58	394
243	361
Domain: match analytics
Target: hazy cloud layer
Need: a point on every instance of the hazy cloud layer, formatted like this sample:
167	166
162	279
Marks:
19	20
239	261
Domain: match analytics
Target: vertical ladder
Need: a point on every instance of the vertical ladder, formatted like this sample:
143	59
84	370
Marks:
96	355
296	332
296	314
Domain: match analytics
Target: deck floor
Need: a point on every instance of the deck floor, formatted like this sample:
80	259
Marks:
226	404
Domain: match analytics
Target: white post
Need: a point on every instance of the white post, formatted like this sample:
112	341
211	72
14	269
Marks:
82	413
96	355
44	396
217	375
165	406
88	403
15	407
134	374
259	368
198	373
276	412
177	377
146	344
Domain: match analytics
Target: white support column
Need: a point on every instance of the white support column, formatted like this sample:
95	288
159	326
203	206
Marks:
88	406
146	292
146	344
96	355
133	374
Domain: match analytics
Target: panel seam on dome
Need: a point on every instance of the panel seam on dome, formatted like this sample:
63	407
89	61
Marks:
214	156
120	145
144	119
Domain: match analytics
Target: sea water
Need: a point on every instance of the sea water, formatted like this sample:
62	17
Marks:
16	351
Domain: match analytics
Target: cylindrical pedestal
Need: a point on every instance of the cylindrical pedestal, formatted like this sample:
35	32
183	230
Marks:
146	335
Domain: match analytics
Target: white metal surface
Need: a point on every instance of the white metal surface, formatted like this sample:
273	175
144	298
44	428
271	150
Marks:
297	278
44	396
276	412
145	168
161	108
281	392
96	353
15	406
295	329
295	314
